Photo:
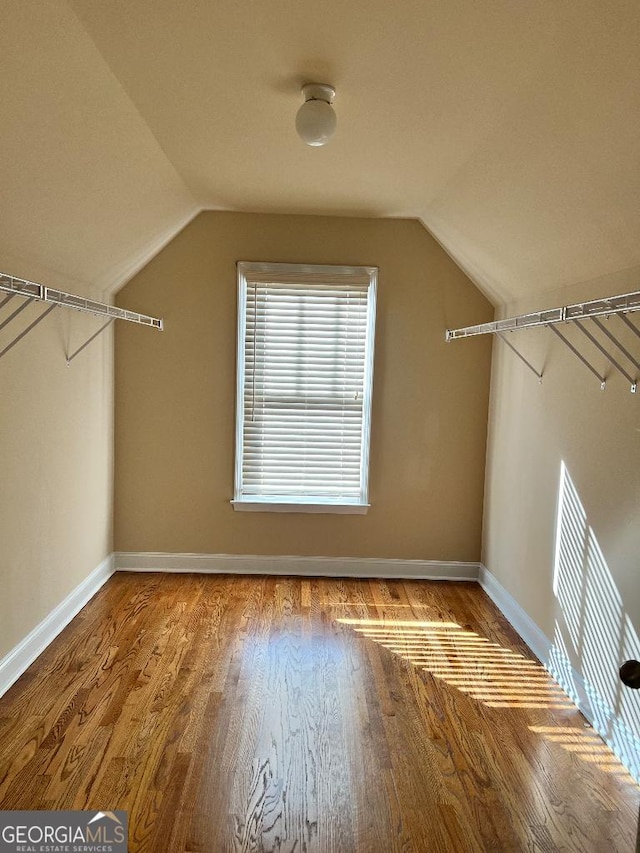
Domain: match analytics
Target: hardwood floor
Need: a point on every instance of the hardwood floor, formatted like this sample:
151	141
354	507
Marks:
231	713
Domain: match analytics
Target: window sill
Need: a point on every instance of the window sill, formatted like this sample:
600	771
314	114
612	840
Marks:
272	506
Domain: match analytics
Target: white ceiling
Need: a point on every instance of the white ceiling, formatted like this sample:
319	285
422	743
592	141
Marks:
510	129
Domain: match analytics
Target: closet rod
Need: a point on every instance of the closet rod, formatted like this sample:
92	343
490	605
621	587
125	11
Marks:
31	290
622	304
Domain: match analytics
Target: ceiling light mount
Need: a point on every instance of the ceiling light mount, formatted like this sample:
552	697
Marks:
315	120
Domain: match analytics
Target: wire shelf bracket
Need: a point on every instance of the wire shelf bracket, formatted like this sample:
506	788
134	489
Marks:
16	313
26	331
87	342
607	355
601	379
506	341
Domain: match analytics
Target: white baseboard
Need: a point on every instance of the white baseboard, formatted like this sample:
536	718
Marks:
614	732
334	567
537	641
535	638
23	655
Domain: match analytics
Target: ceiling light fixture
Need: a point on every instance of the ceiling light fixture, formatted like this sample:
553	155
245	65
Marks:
316	120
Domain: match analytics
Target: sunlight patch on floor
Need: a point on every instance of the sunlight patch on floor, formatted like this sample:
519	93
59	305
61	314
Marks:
486	671
587	745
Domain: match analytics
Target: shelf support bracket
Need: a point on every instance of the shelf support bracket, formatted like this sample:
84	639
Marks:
18	310
578	354
607	355
614	340
27	330
87	342
628	323
505	340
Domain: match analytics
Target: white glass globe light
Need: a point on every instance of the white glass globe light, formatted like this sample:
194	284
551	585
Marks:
315	120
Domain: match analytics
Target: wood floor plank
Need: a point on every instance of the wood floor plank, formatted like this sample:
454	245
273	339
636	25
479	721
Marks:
250	714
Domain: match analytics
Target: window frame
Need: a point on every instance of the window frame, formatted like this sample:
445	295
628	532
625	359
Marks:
249	272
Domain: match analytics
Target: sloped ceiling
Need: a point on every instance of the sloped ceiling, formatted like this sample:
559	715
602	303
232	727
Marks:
511	130
86	193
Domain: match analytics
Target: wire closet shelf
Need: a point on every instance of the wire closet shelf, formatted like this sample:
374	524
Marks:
613	306
31	291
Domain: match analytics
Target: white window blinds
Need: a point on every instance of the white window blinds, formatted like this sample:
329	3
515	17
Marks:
305	360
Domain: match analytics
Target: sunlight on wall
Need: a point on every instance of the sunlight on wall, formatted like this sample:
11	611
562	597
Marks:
593	635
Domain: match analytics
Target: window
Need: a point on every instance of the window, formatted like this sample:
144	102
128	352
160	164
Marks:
305	369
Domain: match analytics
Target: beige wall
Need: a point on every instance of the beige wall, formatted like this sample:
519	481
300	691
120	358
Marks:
593	614
56	439
175	394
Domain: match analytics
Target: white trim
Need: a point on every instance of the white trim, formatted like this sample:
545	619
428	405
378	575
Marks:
334	567
264	271
304	276
23	655
536	639
245	505
622	741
